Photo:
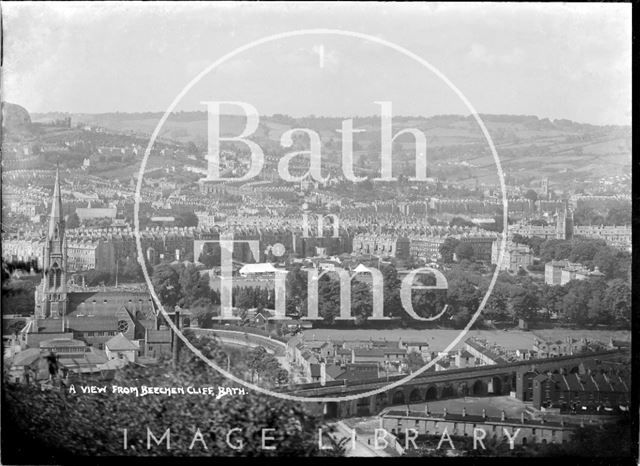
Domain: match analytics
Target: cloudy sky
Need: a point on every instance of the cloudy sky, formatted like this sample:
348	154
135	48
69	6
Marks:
557	61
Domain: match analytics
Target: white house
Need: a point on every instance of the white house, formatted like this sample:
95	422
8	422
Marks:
120	347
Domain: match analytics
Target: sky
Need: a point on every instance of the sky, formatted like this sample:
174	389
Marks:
554	61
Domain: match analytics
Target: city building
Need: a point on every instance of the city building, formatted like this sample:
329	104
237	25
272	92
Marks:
120	347
382	245
516	256
92	317
562	272
555	348
616	236
483	353
581	391
523	431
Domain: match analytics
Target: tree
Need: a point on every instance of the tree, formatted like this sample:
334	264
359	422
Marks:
166	282
95	278
524	301
531	195
189	279
210	255
414	361
58	425
361	301
296	286
131	269
187	219
192	148
464	251
584	251
72	221
391	288
619	216
460	222
497	304
447	249
202	311
617	298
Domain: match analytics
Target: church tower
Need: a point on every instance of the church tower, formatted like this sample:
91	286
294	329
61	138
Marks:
51	301
564	223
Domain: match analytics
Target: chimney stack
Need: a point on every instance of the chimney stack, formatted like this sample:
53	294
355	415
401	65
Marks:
464	411
426	409
522	417
323	373
444	412
502	415
484	413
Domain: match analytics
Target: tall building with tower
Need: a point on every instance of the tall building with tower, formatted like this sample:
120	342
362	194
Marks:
544	185
564	223
65	313
51	297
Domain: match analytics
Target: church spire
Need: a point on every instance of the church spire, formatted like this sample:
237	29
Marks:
55	219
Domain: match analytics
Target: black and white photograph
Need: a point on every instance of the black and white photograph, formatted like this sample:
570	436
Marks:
317	229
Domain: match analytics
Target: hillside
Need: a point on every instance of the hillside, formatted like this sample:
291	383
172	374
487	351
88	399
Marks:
529	147
16	120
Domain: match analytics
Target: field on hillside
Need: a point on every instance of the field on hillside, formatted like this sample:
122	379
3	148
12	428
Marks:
527	146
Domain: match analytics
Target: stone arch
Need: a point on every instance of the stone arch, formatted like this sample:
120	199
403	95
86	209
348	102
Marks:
431	394
463	389
331	410
447	392
478	388
381	399
496	386
415	396
398	398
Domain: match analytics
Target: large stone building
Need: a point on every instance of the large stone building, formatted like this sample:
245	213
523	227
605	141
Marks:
616	236
426	247
523	431
590	389
516	256
562	272
563	228
382	245
93	317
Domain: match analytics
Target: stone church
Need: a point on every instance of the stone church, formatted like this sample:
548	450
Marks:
90	316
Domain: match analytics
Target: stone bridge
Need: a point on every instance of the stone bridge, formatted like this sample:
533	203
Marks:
493	380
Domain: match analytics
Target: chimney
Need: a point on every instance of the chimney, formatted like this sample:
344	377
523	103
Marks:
484	413
444	413
502	415
464	411
426	409
323	373
522	417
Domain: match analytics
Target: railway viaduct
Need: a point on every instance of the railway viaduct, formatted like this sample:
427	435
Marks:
498	379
